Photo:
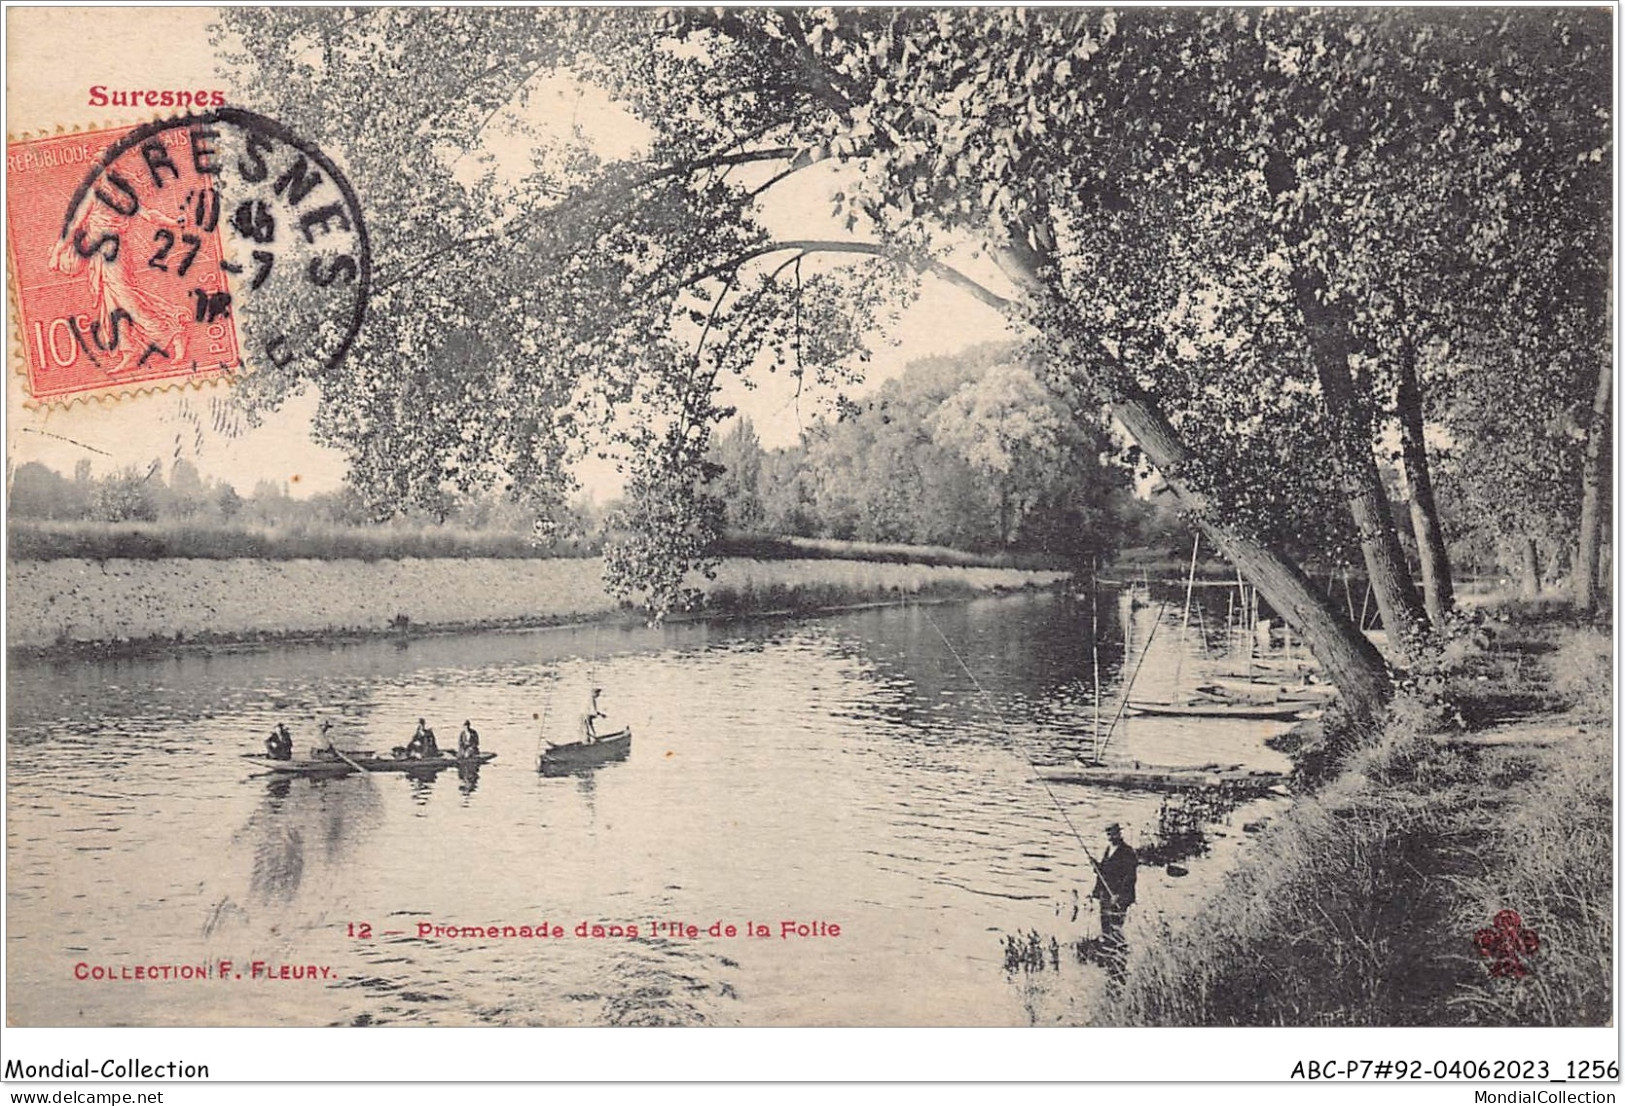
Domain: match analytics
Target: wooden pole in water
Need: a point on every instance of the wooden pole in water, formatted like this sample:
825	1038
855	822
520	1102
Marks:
1190	585
1241	619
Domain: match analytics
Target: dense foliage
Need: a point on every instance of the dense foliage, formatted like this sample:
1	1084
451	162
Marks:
1224	223
968	451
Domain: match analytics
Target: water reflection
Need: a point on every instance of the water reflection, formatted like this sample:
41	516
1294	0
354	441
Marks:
873	769
303	822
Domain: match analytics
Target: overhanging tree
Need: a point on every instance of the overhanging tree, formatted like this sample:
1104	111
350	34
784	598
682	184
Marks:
611	295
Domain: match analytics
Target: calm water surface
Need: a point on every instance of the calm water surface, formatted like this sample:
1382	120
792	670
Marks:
844	770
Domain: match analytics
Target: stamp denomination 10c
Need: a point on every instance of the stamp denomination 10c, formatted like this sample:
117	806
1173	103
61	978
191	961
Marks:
183	250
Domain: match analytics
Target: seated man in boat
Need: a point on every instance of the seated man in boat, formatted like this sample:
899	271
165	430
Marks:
279	746
1115	877
423	745
468	742
589	732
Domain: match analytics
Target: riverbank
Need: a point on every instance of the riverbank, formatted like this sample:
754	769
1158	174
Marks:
1363	904
67	606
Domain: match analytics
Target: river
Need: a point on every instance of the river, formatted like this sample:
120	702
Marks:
869	772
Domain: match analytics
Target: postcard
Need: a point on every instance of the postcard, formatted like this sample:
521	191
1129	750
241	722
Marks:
1011	525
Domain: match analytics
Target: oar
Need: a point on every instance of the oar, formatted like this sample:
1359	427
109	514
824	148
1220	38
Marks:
327	733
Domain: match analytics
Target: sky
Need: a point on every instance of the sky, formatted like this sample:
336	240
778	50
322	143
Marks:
170	48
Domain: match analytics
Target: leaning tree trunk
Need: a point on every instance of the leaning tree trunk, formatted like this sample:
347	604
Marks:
1437	592
1350	416
1350	660
1593	476
1349	411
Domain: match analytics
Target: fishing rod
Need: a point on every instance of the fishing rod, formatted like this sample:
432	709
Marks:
1135	675
1094	647
1033	767
541	728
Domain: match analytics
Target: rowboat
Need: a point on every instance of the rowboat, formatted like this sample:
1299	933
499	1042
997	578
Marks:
1235	691
1215	709
583	754
322	766
1156	777
1278	664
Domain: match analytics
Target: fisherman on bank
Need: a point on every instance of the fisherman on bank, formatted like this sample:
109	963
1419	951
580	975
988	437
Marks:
1115	877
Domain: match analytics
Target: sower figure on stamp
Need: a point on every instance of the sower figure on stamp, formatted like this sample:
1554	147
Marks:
1115	877
133	320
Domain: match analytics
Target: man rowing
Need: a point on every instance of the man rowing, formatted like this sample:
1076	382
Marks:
327	750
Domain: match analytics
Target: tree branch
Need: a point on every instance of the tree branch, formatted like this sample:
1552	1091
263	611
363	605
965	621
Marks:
932	266
581	199
750	305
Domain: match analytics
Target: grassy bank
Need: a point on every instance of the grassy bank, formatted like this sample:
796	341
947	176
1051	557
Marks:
47	539
68	605
747	586
1361	906
758	547
42	540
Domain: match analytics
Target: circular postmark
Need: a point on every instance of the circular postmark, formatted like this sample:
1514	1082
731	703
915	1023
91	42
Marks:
214	243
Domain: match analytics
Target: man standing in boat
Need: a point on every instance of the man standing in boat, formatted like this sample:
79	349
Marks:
468	742
589	732
1115	877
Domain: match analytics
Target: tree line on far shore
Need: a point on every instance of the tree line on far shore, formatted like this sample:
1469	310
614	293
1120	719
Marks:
156	510
971	451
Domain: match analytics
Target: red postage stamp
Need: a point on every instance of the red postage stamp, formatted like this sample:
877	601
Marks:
117	285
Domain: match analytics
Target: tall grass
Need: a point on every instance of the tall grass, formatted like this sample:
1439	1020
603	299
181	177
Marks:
1311	930
1557	848
1583	673
40	540
1360	906
44	540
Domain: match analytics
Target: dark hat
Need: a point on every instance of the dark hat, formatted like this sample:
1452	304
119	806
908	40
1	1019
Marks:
1113	827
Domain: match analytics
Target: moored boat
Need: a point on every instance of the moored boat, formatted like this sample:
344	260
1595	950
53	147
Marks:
1155	777
1238	691
1219	709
